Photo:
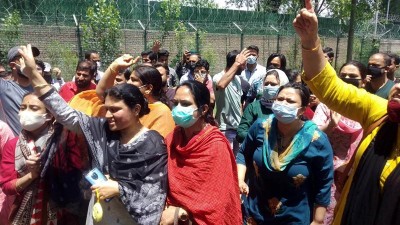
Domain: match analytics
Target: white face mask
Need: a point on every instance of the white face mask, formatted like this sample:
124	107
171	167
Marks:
98	63
31	121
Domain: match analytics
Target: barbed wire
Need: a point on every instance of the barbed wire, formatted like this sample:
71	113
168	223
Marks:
60	13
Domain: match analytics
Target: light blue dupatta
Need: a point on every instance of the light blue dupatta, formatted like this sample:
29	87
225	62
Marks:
302	139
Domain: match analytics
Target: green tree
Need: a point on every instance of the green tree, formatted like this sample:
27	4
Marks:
170	12
259	5
101	30
10	33
63	56
200	3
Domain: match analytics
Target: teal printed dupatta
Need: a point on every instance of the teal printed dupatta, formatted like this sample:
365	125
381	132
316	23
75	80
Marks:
302	139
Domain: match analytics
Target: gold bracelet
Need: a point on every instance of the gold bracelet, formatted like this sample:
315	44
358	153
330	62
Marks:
313	49
39	86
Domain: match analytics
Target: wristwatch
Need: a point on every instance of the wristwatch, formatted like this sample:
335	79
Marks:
184	216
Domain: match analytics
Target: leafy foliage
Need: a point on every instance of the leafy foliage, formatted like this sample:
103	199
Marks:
101	30
10	33
63	56
200	3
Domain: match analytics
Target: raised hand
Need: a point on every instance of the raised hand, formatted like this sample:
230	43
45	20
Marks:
242	57
27	62
156	46
306	25
123	62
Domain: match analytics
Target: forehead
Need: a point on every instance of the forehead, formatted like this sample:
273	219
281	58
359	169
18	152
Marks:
290	93
194	57
183	93
252	52
32	100
162	70
111	101
276	60
350	69
376	59
200	68
271	78
94	56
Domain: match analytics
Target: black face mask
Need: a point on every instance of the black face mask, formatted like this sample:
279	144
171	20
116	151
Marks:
3	74
353	81
191	66
375	72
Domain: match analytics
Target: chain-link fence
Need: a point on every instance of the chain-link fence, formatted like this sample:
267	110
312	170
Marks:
50	25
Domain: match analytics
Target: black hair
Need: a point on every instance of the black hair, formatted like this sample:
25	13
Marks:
386	58
202	63
281	57
89	53
273	72
146	52
40	64
153	57
131	96
303	91
127	74
91	66
253	47
201	96
361	67
163	66
163	52
292	74
231	58
329	52
150	75
395	57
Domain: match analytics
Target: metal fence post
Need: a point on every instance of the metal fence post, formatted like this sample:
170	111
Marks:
337	50
197	37
277	38
78	36
144	35
241	35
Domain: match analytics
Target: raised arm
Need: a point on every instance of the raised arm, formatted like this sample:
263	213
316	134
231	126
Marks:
306	26
231	73
112	71
54	103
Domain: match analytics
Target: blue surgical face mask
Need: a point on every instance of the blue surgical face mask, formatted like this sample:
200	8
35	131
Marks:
284	113
183	116
252	60
269	91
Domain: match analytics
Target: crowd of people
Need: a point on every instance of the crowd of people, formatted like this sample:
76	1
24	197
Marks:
145	143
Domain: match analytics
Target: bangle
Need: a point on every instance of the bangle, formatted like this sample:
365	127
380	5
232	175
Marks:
313	49
39	86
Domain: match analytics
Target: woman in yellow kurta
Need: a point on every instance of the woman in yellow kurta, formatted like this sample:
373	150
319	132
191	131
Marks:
370	195
148	80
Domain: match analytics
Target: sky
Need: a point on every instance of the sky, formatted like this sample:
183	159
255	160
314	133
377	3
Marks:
222	4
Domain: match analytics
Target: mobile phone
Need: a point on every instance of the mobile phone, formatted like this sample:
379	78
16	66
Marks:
94	177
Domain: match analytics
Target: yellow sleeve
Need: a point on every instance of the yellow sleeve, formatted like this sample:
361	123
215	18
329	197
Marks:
352	102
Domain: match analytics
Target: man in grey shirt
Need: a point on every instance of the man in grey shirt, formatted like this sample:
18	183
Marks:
12	91
228	93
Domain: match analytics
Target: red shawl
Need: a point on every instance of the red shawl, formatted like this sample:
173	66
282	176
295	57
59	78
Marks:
202	177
